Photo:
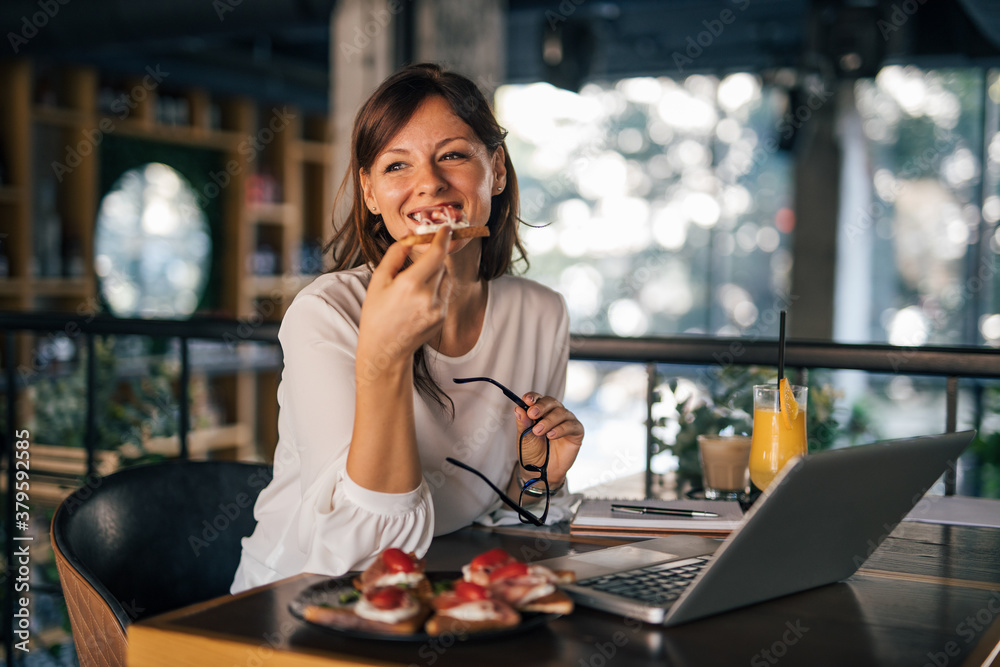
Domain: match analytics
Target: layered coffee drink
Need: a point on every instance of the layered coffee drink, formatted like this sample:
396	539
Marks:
724	463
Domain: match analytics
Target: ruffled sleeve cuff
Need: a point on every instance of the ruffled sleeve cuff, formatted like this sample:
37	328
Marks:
378	502
352	525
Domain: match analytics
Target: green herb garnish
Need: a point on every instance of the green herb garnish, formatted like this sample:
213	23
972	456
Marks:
349	596
442	587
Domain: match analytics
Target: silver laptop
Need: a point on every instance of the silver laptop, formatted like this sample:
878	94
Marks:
819	521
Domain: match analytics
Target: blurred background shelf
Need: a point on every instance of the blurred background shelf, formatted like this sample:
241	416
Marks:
57	471
204	442
60	287
285	286
278	213
270	200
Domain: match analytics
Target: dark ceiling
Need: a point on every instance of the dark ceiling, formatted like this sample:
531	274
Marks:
268	49
279	50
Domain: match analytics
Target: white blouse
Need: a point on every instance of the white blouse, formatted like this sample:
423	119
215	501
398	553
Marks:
312	517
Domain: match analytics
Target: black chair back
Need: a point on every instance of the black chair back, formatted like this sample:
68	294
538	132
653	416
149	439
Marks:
157	537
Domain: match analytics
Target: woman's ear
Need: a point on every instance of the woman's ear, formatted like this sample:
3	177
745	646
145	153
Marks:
499	170
366	191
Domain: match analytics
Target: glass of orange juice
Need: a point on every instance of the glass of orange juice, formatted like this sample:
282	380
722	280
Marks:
779	429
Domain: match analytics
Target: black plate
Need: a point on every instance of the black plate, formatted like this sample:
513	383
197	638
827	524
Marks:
328	593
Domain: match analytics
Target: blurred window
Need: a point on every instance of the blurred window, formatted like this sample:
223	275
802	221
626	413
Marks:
658	206
152	245
922	217
661	206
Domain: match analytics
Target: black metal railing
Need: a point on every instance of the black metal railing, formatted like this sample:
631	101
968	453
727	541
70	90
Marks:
89	327
951	363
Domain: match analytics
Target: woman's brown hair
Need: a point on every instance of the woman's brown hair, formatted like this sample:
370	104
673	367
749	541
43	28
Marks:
363	237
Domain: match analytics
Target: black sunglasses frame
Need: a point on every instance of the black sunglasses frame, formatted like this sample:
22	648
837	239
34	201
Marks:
541	470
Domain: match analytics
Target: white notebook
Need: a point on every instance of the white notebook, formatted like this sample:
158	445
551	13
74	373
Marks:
957	511
598	516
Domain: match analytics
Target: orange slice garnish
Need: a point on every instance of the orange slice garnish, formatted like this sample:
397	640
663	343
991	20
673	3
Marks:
787	403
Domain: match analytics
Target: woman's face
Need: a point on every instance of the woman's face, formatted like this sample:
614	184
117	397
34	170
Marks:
435	159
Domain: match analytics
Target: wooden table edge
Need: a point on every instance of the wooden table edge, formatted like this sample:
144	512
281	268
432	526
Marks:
951	582
160	647
987	650
161	620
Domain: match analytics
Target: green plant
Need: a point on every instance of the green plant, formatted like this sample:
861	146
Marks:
128	409
822	428
986	447
693	409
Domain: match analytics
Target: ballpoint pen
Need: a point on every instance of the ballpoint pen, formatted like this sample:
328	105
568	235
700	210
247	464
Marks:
638	509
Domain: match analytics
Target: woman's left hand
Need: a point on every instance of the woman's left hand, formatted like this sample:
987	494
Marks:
559	425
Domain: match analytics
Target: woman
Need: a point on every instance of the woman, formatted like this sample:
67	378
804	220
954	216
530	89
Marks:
368	409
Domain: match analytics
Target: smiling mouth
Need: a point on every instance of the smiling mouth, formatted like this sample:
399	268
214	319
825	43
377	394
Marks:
439	214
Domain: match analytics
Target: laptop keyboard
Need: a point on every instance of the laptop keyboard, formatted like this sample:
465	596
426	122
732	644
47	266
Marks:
654	585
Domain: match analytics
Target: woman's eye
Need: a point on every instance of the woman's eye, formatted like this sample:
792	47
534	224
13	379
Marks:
395	166
453	155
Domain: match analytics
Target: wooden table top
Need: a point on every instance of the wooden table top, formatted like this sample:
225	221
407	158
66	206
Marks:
929	595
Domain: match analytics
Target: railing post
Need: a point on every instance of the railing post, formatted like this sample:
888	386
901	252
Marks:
184	416
650	440
90	425
951	425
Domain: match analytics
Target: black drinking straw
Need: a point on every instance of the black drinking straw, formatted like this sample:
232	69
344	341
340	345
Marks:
781	348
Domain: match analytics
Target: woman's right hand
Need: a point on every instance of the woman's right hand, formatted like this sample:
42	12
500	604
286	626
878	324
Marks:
401	312
404	309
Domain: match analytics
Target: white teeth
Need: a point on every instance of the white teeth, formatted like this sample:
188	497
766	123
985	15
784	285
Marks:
434	216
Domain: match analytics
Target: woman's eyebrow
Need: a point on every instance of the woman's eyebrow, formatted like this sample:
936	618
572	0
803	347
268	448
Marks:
438	145
449	140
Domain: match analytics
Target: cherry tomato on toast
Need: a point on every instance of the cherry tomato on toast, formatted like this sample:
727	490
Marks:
490	559
514	569
397	560
387	598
